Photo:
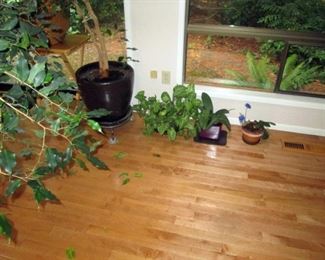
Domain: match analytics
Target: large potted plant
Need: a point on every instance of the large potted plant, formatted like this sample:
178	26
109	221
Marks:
253	130
30	131
103	84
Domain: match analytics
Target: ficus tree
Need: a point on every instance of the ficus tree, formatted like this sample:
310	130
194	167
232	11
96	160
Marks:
38	105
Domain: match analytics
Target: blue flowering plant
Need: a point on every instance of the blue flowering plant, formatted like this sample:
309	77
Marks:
254	126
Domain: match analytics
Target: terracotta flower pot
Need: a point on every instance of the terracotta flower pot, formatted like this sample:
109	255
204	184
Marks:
250	137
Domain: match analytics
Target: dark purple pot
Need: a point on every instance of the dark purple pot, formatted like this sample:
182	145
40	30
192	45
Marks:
113	93
211	133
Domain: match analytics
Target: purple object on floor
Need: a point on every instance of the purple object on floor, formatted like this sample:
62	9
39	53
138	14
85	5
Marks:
211	133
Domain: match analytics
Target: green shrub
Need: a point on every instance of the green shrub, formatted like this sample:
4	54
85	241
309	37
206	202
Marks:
295	75
176	115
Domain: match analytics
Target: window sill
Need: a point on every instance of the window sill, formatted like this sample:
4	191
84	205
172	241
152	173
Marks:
262	97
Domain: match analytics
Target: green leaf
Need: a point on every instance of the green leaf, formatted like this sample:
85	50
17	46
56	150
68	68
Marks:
39	78
120	155
98	113
55	126
67	156
4	45
97	163
123	174
16	91
10	122
54	158
7	160
165	97
40	192
37	74
42	170
70	253
24	41
93	146
171	134
39	133
138	174
67	98
48	90
125	181
94	125
12	187
81	164
5	227
207	102
9	24
38	113
80	144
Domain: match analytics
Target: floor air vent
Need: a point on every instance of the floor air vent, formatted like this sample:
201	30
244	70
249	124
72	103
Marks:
294	145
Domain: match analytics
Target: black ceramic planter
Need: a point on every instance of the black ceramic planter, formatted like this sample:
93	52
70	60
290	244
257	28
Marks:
113	93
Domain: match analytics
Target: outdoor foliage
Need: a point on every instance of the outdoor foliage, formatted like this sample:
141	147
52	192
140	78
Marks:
110	15
294	15
260	70
38	109
297	75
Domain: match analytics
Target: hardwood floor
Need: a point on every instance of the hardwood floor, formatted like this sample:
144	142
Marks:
184	200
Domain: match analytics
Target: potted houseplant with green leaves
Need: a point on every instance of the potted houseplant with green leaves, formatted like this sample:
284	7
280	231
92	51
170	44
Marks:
209	123
173	116
38	140
104	84
253	130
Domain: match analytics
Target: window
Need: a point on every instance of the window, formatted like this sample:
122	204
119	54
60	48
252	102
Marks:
271	46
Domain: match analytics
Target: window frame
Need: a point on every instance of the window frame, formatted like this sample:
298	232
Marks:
312	39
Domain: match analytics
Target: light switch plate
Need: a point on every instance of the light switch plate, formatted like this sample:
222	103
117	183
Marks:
153	74
165	77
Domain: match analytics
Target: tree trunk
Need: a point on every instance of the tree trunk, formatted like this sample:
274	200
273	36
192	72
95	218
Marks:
96	35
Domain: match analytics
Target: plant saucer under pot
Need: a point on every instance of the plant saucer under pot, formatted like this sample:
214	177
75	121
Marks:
251	137
113	93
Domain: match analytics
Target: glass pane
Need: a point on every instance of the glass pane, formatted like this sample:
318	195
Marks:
293	15
304	71
232	61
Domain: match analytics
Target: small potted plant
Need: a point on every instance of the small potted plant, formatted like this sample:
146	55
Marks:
209	123
253	131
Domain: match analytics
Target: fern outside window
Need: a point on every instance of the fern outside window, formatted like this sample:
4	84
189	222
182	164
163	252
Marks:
269	46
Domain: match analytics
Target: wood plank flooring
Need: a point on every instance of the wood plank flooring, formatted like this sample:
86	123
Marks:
194	201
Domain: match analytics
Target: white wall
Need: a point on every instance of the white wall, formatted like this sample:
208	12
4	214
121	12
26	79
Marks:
156	29
152	28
